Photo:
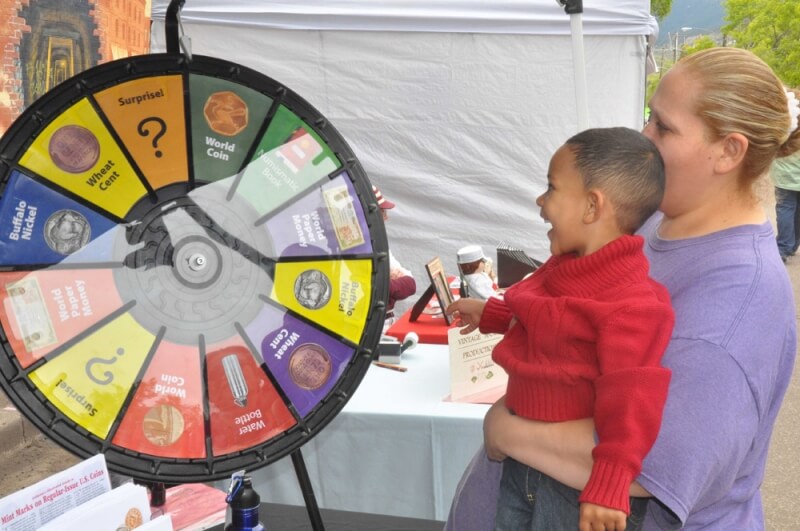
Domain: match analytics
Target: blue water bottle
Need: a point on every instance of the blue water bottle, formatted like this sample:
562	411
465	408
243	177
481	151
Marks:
243	501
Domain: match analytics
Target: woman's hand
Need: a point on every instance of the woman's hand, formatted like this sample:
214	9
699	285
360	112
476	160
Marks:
398	272
467	312
562	450
493	429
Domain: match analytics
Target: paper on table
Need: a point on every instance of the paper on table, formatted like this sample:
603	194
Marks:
161	523
125	507
490	396
474	377
33	506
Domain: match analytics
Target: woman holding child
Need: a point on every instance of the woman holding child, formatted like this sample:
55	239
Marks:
719	118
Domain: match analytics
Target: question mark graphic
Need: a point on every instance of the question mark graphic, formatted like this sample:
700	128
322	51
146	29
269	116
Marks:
108	375
162	128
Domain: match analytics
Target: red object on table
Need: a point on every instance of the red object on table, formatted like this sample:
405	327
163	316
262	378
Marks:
429	328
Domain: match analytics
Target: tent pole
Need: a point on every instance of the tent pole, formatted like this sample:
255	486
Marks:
574	8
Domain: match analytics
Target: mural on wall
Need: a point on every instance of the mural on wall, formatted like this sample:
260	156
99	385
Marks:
48	41
61	42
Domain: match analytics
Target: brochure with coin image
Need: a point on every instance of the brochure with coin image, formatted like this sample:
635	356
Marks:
290	158
50	497
40	226
165	417
41	310
125	507
327	221
147	115
305	361
77	153
245	408
226	118
333	293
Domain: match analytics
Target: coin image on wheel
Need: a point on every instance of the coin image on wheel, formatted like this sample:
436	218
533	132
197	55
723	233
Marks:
312	289
74	148
310	366
226	113
67	231
163	425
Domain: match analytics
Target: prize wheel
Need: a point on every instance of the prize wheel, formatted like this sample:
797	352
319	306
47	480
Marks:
193	267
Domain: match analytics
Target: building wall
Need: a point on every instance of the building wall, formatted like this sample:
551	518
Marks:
10	79
113	29
123	27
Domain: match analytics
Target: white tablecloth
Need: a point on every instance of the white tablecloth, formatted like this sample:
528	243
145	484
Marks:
397	447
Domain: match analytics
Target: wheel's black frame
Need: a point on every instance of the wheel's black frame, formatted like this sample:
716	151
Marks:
48	418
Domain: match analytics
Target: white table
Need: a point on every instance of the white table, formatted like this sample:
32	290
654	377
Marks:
396	448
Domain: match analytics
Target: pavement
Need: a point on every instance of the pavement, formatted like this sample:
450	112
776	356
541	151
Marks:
782	480
15	430
27	455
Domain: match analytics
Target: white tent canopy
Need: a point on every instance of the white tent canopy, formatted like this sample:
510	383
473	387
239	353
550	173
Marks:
533	17
453	107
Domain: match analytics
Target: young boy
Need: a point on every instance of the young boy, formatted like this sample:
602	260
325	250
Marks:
585	333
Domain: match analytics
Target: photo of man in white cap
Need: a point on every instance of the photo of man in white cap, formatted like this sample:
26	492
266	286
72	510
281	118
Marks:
472	266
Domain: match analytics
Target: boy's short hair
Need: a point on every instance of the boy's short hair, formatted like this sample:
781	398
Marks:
626	166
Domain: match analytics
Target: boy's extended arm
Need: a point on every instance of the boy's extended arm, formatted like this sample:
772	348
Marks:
491	315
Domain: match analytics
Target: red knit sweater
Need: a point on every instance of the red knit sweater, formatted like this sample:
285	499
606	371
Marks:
588	340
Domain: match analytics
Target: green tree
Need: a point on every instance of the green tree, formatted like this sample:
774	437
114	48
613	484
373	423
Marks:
660	8
771	30
702	42
697	43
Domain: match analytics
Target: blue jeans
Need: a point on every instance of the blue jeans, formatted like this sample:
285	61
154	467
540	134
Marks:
530	500
787	214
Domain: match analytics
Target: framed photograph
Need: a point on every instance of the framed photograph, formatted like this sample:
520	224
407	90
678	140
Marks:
439	287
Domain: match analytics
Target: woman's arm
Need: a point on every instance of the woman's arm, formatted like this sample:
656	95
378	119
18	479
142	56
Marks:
401	286
562	450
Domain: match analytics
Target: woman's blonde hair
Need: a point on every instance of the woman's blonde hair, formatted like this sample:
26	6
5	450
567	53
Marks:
741	94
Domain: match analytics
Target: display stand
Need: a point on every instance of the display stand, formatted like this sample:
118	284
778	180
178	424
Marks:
513	265
440	287
307	490
421	303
